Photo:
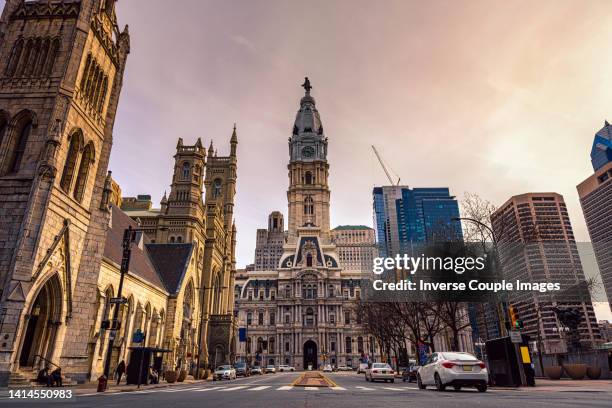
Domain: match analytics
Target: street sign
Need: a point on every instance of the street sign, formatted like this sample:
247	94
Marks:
118	301
515	336
242	334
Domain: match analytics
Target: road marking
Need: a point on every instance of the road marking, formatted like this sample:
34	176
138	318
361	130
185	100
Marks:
311	388
285	388
234	388
261	387
365	388
338	388
208	389
393	388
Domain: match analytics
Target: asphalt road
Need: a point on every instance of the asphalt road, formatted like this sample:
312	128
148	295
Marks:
275	390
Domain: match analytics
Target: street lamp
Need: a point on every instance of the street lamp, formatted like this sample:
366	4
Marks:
129	236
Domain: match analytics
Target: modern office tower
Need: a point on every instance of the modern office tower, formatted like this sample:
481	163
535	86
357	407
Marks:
269	243
536	243
596	199
601	153
356	246
405	216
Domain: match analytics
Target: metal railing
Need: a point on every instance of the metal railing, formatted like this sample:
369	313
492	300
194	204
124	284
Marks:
41	360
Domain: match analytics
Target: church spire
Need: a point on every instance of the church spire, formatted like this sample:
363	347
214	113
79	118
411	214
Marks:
233	142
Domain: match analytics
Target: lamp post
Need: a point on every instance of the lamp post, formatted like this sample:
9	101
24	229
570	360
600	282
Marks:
129	234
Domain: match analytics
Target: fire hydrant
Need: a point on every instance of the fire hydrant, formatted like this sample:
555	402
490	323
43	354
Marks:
102	382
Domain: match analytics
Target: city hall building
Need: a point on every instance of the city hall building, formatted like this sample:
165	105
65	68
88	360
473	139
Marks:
296	305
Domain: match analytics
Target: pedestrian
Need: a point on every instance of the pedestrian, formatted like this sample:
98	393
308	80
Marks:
56	377
43	377
120	370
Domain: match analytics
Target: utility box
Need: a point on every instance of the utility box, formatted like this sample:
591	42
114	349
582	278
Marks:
509	362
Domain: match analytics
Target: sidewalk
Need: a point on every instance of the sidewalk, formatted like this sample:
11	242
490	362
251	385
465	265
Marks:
92	387
566	384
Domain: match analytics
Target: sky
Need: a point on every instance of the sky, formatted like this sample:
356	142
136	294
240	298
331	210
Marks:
488	97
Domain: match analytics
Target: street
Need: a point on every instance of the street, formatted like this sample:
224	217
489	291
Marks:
275	390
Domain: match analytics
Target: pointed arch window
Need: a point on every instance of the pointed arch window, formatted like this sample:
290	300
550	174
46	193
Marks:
53	51
14	58
23	62
87	159
186	170
76	141
31	62
42	58
16	157
3	127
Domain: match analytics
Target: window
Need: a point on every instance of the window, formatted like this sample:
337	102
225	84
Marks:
347	317
272	319
333	346
14	58
287	346
288	291
3	127
186	171
217	184
20	146
308	206
309	317
249	319
179	239
332	319
309	260
360	344
71	158
271	345
348	344
287	319
260	319
308	177
248	345
87	159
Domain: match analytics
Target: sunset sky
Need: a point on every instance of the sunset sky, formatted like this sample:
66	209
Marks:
494	98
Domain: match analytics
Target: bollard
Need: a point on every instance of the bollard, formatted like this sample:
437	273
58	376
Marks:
102	383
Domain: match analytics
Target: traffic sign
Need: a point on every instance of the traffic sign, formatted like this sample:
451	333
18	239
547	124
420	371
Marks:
118	301
515	336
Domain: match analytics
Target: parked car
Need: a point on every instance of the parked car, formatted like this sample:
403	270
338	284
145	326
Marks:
283	368
455	369
380	371
362	368
242	369
344	368
270	369
224	372
327	368
256	370
410	373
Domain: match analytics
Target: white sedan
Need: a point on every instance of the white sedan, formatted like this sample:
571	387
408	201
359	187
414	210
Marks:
224	372
380	371
284	368
455	369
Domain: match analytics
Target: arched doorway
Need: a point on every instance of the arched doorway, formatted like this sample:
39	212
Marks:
310	355
42	321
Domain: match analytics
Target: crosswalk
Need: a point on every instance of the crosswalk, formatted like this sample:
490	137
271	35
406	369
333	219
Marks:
253	388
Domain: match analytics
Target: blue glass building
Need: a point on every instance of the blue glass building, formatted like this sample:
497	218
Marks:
601	153
405	216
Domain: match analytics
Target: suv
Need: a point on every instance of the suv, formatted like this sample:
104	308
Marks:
242	369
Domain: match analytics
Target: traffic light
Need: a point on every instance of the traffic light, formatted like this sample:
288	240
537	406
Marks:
515	320
513	316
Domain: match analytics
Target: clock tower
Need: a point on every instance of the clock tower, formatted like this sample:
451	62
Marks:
308	193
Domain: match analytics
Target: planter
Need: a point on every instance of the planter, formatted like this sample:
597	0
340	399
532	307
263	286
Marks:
575	371
553	372
182	375
171	376
593	372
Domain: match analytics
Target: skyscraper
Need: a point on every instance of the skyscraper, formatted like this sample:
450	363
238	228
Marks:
405	216
356	246
601	153
269	243
539	222
596	199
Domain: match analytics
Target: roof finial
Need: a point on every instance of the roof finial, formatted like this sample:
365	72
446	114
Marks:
306	85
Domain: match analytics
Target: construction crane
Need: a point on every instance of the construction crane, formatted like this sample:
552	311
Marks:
382	163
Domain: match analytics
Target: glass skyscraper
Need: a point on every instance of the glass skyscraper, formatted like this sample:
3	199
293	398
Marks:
405	216
601	153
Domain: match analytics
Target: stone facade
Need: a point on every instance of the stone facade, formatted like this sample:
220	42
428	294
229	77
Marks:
356	246
302	310
269	243
199	211
61	70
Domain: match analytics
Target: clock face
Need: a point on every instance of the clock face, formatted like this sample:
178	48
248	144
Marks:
308	151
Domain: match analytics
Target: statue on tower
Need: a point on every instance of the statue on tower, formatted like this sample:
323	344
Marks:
306	85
